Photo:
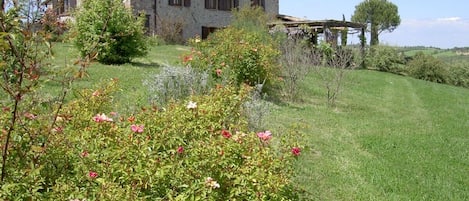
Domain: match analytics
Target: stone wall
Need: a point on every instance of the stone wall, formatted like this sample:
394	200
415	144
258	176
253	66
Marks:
192	18
160	15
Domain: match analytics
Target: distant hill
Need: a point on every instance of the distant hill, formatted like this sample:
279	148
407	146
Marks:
456	54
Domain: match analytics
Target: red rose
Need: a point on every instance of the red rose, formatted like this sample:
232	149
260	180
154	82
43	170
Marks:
226	133
180	150
296	151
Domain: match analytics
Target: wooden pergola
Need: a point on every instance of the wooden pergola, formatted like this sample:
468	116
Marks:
327	27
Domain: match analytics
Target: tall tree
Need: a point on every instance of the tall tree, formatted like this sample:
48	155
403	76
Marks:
380	15
343	33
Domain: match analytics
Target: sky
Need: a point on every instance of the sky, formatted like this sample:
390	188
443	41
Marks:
436	23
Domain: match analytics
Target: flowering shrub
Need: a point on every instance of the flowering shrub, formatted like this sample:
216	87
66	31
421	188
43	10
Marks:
194	149
237	55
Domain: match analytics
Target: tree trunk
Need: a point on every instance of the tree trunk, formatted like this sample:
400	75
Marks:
374	35
2	5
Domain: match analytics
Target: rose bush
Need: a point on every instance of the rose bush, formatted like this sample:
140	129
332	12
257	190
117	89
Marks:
243	53
194	149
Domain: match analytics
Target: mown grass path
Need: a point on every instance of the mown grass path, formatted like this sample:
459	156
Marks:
390	138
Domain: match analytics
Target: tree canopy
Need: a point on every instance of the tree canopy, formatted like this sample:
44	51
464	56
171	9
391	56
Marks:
381	15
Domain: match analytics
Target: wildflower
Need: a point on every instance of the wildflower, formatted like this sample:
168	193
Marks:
137	128
264	136
218	72
226	133
211	183
101	118
92	174
296	151
180	150
191	105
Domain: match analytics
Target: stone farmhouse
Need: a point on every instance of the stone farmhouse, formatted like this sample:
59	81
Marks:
188	18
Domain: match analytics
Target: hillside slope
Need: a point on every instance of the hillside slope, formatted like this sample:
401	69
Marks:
390	138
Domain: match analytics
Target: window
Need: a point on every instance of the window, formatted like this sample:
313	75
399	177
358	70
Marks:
187	3
211	4
260	3
61	6
175	2
207	31
72	4
227	5
147	21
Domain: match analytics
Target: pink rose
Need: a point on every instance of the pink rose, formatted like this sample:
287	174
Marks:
137	128
264	136
92	174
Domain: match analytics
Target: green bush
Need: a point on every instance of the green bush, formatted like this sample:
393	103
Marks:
384	58
109	31
237	54
429	68
459	74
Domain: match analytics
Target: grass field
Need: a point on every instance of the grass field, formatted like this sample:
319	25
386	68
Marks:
447	55
389	138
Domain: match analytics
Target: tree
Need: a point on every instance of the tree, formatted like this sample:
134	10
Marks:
109	32
381	15
343	33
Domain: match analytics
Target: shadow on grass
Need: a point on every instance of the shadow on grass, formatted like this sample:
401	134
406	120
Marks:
146	65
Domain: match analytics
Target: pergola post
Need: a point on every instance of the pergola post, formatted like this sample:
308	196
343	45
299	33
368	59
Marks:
362	46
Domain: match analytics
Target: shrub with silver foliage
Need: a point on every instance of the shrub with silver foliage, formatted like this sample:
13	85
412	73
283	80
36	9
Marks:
257	109
174	83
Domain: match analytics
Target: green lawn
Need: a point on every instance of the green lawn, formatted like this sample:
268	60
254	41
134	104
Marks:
389	138
133	93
